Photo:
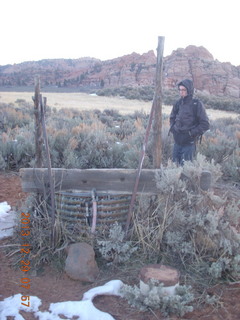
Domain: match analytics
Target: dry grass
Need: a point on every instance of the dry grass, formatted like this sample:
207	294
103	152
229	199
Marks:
84	101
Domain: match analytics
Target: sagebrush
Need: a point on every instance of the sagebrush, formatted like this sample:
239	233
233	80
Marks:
190	228
107	139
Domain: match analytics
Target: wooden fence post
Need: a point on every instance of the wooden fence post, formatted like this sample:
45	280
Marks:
38	125
157	122
40	136
156	111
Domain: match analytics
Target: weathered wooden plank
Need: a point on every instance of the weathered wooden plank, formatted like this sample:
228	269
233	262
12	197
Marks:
108	180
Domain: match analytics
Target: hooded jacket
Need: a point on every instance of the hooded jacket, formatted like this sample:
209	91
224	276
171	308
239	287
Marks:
187	122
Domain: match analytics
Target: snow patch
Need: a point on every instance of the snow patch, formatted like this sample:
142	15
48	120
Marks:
7	220
4	210
83	309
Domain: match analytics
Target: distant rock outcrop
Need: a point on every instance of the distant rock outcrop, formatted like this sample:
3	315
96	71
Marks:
209	75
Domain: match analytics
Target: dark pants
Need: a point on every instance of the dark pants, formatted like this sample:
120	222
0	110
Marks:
183	153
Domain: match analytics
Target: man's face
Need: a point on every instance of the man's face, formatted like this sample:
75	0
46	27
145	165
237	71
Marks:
182	91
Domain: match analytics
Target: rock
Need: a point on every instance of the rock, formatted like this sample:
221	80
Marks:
196	63
209	75
161	273
205	180
80	263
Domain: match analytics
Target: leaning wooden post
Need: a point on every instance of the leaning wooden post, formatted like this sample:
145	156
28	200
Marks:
49	166
157	123
38	125
156	111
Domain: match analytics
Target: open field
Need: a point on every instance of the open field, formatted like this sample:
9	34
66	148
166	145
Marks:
84	101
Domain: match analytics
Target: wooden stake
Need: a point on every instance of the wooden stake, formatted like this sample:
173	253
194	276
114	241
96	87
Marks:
139	169
157	123
156	116
50	176
38	125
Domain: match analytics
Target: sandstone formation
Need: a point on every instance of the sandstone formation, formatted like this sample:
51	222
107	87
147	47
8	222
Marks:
209	75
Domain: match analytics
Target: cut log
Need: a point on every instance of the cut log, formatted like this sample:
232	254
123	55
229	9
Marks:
108	180
166	275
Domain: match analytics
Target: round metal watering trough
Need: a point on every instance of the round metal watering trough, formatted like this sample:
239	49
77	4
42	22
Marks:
75	207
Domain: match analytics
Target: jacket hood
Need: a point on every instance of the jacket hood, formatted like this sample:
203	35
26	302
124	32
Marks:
188	84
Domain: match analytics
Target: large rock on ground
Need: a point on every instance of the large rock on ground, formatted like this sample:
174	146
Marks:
80	263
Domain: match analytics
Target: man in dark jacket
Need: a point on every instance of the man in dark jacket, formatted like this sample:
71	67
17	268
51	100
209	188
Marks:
188	121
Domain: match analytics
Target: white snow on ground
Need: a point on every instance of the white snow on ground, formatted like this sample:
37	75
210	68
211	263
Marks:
4	208
110	288
12	305
84	309
7	220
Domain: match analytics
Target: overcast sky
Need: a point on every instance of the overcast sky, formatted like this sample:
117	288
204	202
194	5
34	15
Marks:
107	29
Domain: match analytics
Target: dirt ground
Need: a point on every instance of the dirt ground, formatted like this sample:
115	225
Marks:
51	286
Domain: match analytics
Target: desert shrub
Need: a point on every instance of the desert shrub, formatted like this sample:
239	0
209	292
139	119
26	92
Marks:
59	141
17	148
94	146
177	304
123	130
115	249
221	142
134	150
83	141
170	96
231	166
114	114
107	120
219	103
2	163
187	227
229	126
145	93
94	139
43	250
12	117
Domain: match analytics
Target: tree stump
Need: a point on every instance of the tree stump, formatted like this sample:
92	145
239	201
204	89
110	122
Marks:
166	275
